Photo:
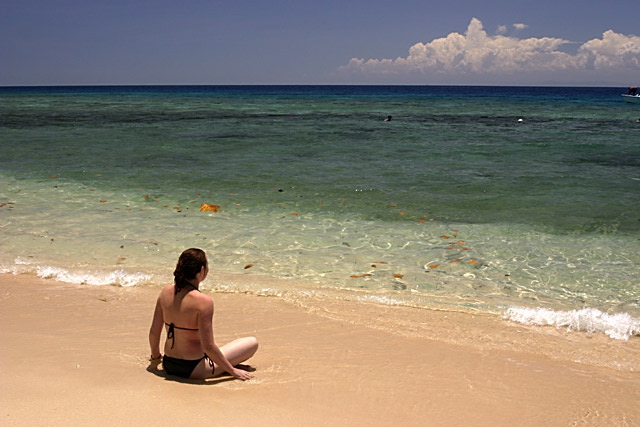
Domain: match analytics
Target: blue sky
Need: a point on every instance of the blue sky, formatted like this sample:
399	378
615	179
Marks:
533	42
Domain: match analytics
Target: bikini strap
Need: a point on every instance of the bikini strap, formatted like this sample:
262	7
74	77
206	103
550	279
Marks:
178	288
171	333
172	330
193	287
211	365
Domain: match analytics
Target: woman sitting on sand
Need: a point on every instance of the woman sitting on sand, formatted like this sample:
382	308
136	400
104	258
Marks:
190	350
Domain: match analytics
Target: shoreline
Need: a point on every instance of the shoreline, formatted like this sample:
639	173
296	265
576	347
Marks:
77	354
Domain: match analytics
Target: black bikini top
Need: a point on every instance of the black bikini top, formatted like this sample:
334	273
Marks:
171	331
172	327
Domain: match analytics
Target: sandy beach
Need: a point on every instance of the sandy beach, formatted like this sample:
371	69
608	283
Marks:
77	355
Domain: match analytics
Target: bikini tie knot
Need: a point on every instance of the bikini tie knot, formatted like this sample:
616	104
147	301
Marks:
170	334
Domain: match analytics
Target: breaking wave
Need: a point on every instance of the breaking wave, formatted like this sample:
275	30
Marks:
620	326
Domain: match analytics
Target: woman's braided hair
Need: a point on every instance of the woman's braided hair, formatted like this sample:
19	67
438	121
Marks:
190	263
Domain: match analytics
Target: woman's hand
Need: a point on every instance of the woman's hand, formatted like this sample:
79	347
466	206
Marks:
156	359
154	362
241	375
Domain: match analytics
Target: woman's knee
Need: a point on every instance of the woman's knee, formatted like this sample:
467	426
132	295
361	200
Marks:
251	343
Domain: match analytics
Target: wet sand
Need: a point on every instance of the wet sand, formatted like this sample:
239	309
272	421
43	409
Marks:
77	355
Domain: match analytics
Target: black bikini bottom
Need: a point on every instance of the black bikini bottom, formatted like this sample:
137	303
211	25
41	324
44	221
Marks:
180	367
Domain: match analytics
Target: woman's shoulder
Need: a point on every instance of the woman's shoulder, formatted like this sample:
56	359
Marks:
166	295
199	301
169	289
200	297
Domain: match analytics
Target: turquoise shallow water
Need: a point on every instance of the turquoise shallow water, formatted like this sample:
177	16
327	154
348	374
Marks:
453	202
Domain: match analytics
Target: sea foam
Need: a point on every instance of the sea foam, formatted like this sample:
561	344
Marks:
80	277
117	278
620	326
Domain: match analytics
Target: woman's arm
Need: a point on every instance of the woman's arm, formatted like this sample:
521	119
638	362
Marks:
155	331
205	326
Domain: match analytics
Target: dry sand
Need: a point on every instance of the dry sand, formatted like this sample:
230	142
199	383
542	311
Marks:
77	355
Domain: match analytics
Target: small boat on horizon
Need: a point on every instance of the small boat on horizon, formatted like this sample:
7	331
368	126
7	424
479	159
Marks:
632	95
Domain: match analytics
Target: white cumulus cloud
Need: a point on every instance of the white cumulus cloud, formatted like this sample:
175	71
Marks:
612	51
476	52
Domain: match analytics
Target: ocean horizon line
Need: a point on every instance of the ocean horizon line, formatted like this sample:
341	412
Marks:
200	85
